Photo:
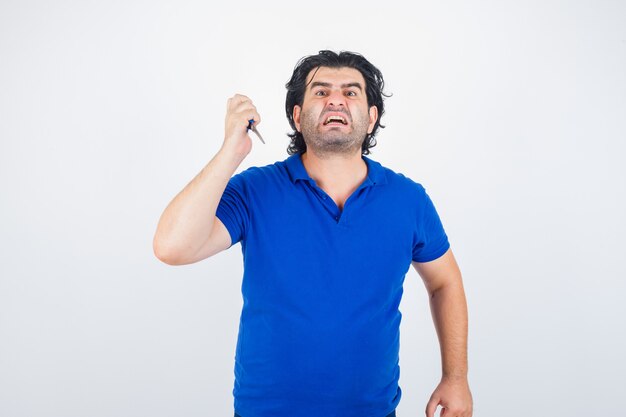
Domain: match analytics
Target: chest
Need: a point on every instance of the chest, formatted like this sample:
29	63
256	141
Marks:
368	226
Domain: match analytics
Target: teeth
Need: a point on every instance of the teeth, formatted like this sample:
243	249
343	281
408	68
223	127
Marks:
332	118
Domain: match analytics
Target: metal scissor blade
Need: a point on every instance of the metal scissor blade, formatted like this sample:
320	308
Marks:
252	127
258	134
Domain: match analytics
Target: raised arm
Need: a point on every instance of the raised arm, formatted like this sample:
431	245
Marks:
188	230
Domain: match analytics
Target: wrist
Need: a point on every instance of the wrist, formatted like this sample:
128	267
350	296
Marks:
231	156
454	376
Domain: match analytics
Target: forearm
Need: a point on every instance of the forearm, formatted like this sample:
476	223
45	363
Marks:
188	220
449	310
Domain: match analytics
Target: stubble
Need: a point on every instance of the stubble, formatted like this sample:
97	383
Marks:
334	141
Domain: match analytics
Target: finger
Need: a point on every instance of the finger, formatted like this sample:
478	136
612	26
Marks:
453	412
247	110
255	117
244	113
237	100
240	122
431	407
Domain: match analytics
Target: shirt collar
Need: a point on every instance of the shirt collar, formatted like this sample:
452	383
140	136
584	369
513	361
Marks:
375	171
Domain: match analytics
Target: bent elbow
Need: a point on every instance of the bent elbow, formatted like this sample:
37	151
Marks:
165	254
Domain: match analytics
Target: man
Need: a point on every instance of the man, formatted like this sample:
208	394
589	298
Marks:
327	236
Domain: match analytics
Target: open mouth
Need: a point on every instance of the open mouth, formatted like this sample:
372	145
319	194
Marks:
334	119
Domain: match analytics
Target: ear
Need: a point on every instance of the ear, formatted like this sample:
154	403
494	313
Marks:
373	117
296	116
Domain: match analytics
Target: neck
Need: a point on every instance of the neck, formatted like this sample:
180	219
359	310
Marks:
337	171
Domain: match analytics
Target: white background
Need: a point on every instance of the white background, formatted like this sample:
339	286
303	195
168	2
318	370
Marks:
511	114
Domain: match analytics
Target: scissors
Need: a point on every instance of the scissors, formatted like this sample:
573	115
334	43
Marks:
252	127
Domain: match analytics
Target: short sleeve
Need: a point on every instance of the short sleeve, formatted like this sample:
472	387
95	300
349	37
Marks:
232	209
431	240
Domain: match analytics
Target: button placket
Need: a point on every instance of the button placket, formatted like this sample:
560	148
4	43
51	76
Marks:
351	201
340	216
327	202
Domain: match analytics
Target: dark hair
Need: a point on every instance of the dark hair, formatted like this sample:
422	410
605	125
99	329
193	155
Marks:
296	87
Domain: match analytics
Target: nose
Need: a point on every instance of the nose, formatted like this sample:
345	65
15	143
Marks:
336	98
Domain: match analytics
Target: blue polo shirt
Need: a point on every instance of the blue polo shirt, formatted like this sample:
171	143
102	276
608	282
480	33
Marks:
320	326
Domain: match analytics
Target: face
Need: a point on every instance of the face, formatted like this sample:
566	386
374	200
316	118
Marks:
334	116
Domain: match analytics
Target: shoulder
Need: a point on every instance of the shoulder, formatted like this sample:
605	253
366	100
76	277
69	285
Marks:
399	181
260	175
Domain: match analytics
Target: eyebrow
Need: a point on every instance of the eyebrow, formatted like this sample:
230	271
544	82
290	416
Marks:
346	85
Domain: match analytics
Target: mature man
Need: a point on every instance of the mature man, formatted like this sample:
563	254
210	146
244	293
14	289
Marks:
327	236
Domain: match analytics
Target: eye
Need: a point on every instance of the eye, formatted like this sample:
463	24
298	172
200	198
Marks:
320	93
351	93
